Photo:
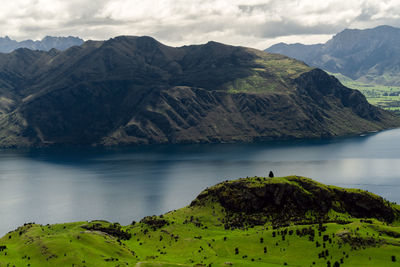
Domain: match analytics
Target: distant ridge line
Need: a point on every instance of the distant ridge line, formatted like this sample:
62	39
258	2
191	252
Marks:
8	45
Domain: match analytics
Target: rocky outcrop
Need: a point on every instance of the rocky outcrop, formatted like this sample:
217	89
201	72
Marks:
295	199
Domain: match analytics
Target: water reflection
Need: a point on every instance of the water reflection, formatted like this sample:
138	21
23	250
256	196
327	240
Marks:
59	185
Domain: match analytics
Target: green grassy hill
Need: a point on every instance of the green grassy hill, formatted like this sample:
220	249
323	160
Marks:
256	221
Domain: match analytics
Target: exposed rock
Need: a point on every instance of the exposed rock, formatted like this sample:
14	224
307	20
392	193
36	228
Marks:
111	229
294	198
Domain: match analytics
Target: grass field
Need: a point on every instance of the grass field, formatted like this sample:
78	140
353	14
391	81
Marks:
196	236
270	74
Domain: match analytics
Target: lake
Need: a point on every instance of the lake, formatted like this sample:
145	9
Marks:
120	185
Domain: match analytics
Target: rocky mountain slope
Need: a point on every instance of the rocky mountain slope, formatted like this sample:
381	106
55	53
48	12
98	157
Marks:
8	45
135	90
252	221
367	56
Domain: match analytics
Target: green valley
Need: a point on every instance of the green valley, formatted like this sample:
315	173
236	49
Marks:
255	221
383	96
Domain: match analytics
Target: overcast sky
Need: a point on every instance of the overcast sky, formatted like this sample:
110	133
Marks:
254	23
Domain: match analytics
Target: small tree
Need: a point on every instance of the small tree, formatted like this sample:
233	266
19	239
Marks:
271	174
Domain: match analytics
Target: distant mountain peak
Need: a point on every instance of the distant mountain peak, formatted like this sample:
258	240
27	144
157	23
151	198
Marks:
131	39
213	43
8	45
385	27
368	55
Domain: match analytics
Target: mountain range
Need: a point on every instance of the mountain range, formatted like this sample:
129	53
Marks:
134	90
367	56
8	45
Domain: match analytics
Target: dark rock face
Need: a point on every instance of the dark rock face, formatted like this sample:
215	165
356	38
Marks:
293	200
134	90
318	86
190	115
371	55
362	205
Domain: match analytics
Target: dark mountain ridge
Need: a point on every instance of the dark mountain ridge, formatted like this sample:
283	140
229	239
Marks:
370	55
134	90
8	45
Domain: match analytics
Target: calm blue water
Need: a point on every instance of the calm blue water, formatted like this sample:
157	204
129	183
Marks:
63	185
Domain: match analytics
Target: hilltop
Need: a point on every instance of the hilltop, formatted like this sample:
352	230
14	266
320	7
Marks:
254	221
135	90
293	199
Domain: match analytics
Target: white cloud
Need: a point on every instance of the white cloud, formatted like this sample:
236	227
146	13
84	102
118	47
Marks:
256	23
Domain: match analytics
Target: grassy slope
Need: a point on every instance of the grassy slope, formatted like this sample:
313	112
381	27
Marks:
271	73
378	95
196	235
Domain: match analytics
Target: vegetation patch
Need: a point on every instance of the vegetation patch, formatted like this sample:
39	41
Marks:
154	221
114	229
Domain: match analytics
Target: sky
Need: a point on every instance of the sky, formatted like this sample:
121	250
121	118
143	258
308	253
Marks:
253	23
